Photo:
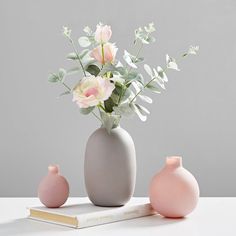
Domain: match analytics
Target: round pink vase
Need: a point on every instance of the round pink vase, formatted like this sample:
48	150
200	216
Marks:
174	191
53	190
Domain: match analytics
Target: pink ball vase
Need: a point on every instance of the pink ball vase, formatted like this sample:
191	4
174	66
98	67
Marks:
53	189
174	191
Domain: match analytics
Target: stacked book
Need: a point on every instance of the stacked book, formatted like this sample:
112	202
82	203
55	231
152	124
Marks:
86	214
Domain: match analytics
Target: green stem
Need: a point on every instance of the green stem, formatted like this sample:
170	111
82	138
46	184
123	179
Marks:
101	106
103	56
66	86
96	116
77	54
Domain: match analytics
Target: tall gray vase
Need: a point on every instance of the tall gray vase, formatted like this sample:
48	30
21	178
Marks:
110	167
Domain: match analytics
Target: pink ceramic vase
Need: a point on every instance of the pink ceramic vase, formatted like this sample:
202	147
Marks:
174	191
53	190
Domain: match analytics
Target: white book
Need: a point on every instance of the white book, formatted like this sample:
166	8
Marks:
86	214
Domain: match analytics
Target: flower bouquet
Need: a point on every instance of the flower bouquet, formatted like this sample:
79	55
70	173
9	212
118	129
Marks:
110	88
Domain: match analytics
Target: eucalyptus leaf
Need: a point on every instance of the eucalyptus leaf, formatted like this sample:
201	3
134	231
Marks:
153	88
145	98
53	78
133	76
84	41
73	55
128	95
130	59
162	74
148	69
93	70
159	82
61	73
86	111
141	116
171	63
143	110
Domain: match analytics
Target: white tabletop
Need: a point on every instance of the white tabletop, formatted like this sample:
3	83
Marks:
213	216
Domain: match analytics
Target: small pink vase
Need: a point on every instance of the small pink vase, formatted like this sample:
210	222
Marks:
53	189
174	191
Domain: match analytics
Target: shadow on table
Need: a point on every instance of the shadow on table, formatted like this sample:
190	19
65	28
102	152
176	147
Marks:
26	226
151	221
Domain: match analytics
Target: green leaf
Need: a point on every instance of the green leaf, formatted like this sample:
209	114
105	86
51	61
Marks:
148	69
162	74
93	70
53	78
133	76
140	114
144	34
153	88
86	111
72	56
84	41
145	98
171	63
61	73
130	59
144	111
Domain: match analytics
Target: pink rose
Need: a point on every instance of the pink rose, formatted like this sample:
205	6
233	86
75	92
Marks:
103	33
109	53
90	91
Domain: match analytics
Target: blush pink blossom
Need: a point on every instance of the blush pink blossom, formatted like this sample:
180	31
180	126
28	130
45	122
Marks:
90	91
103	33
108	54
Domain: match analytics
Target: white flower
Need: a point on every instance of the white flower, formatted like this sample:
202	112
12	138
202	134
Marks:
103	33
92	90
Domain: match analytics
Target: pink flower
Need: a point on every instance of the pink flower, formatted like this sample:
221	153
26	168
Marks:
109	53
90	91
103	33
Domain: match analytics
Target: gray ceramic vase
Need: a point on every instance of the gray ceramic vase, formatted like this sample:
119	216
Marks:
110	167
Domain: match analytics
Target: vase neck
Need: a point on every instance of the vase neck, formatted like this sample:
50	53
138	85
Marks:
174	162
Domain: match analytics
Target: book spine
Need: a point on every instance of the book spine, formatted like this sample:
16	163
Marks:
110	216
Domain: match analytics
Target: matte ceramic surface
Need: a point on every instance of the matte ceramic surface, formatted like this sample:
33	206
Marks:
174	191
110	167
53	190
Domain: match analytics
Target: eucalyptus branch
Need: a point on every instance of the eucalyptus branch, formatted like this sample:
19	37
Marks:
77	55
141	90
69	89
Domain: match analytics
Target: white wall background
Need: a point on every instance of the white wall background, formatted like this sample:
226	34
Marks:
194	118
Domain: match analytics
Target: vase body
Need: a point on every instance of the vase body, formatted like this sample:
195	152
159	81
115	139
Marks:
53	189
174	191
110	167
